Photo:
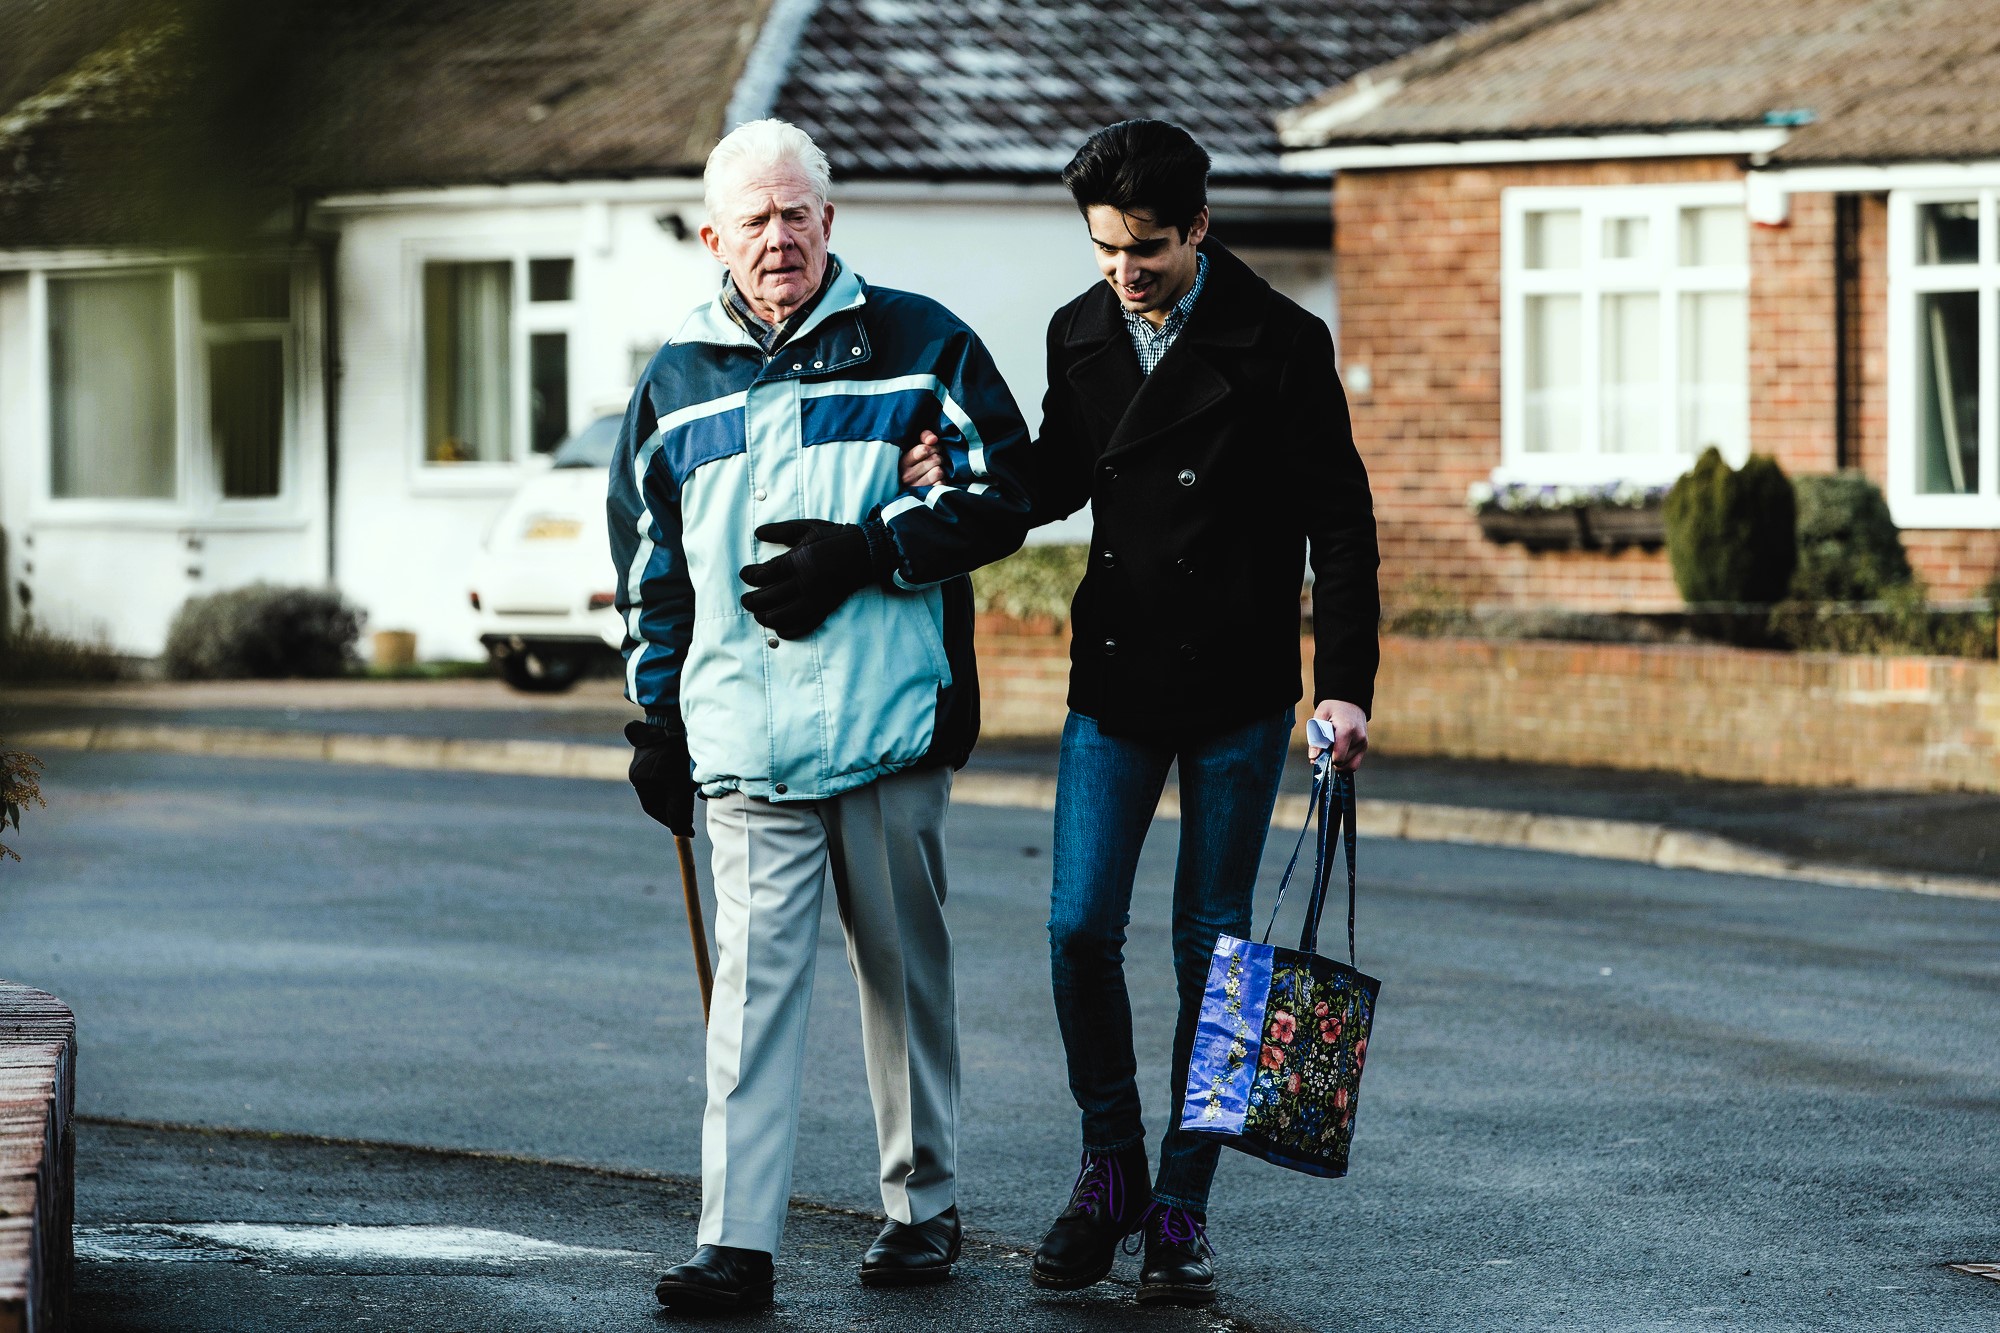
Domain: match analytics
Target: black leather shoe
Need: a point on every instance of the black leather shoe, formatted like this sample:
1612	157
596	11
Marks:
1177	1269
911	1254
718	1280
1111	1195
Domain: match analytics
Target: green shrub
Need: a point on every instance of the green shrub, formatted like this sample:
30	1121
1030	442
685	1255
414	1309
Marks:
1849	549
1032	583
1427	610
32	653
262	631
1902	620
1732	534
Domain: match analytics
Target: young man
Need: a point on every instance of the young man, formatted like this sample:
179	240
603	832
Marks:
1199	413
799	633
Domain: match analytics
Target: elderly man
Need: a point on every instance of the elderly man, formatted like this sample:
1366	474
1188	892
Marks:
799	634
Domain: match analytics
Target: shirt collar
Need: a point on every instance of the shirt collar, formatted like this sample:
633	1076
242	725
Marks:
771	337
1178	316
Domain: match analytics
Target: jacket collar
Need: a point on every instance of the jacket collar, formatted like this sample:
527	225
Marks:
1189	381
710	322
1230	312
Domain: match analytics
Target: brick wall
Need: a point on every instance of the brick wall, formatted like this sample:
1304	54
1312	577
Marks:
1417	260
1793	338
1802	719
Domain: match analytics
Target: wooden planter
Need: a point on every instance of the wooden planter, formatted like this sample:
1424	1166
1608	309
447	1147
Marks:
1609	525
1536	529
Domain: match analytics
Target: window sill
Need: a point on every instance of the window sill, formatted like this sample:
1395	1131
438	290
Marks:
1918	512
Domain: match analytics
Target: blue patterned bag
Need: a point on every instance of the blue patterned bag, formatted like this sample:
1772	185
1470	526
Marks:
1283	1033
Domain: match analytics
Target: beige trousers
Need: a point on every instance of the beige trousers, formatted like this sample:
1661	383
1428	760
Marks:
882	848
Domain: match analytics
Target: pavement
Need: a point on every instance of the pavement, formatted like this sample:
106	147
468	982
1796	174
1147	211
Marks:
325	1234
1600	1096
1910	839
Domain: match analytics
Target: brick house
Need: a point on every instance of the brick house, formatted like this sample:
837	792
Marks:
1583	241
308	298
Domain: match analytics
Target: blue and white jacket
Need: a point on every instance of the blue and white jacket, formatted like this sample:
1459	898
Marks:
720	440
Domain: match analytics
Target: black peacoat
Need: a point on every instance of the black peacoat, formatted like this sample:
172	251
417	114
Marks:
1209	481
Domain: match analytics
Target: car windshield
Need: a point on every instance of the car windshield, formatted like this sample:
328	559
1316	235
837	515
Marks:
591	446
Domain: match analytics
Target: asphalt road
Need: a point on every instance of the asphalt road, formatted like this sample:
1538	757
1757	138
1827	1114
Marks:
1600	1096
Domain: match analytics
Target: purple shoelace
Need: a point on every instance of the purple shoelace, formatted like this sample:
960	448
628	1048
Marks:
1100	1186
1176	1226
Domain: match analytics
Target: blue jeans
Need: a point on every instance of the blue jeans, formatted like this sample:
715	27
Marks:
1106	792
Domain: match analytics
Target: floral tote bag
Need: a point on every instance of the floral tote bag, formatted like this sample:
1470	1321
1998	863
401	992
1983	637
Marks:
1283	1033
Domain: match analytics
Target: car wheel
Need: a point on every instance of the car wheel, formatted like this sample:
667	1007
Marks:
539	670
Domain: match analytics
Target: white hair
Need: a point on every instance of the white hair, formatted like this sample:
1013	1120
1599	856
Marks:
763	144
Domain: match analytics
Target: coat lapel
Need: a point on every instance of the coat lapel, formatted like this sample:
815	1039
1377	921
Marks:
1192	378
1105	370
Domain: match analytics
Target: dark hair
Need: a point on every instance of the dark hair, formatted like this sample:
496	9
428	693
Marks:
1150	165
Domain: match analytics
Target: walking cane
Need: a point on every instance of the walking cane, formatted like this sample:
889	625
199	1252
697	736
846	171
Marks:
697	932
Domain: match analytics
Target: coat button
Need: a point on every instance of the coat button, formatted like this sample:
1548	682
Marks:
818	364
1110	647
762	494
1111	474
771	642
854	351
781	789
1184	565
798	365
1186	477
1188	652
1109	560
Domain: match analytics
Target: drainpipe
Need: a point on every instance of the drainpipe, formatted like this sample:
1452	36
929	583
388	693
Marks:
328	247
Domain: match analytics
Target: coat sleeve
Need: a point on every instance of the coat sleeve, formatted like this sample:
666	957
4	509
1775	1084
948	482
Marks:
1340	524
1059	476
654	596
981	512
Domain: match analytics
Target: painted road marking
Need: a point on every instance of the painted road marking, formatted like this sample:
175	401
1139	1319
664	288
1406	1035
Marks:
338	1242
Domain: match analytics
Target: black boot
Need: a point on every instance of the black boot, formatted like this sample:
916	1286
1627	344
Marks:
718	1280
911	1254
1177	1269
1109	1198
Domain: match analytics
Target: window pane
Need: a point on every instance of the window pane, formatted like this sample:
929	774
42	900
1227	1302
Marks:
1554	417
1630	391
246	291
548	381
468	390
1715	371
1948	233
246	415
550	279
111	388
1627	238
1948	389
1555	240
1714	236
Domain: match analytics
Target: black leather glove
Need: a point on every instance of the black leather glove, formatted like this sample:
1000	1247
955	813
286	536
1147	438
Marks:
662	775
793	594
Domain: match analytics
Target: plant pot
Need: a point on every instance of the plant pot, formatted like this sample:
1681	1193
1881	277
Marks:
1609	525
1536	529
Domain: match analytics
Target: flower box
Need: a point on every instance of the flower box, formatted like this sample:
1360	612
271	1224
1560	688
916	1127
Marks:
1618	525
1536	529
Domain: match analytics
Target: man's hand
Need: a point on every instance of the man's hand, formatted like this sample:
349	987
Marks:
1350	733
662	776
923	462
794	594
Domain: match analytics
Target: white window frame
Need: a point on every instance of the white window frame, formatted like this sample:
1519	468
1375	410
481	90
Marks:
1908	281
197	500
500	477
1661	276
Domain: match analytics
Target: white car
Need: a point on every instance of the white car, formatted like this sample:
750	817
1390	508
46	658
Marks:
543	584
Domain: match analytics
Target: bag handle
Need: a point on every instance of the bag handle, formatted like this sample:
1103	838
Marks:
1329	784
1343	823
